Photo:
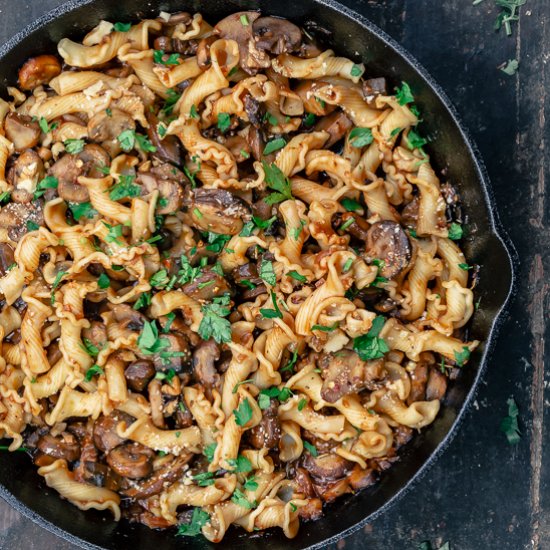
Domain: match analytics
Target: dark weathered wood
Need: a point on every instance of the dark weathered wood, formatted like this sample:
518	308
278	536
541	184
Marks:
482	493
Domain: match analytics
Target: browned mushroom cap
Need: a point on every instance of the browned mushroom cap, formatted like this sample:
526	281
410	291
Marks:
268	432
336	124
206	286
105	127
127	316
312	510
104	432
170	191
358	226
204	364
232	28
6	258
37	71
346	373
437	385
387	241
21	131
183	17
95	158
138	374
169	148
374	87
217	210
15	216
131	460
303	482
175	356
419	378
276	35
25	174
163	477
409	214
327	467
203	51
256	142
239	147
359	478
63	446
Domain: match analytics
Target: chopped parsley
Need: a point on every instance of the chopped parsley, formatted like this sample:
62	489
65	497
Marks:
144	300
89	347
310	448
149	342
347	265
404	94
290	365
199	519
347	223
103	281
510	67
461	357
193	113
213	323
49	182
359	137
32	226
301	404
209	451
250	484
295	275
240	465
296	232
160	57
509	424
264	399
324	328
244	20
82	210
129	139
224	122
240	499
309	120
55	284
74	146
370	346
350	205
172	97
159	279
5	197
45	127
216	241
93	371
267	272
243	414
272	313
122	27
125	188
274	145
204	479
465	267
113	233
415	140
356	70
455	232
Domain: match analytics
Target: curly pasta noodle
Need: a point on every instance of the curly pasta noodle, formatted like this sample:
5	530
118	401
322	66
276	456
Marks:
231	283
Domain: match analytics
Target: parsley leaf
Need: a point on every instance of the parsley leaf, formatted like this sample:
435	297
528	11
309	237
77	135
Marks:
251	484
350	205
5	197
404	94
240	465
324	328
32	226
204	479
160	57
122	27
159	279
290	365
49	182
415	140
103	281
129	138
297	276
149	342
216	241
82	210
55	284
89	347
370	346
310	448
243	414
276	180
511	67
359	137
213	324
301	404
172	97
267	272
309	120
144	300
356	70
199	519
209	451
113	233
272	313
240	499
45	127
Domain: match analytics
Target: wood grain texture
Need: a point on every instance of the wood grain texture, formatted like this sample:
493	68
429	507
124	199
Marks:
482	493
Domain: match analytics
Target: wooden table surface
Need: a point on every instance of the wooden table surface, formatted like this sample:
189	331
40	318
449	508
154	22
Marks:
482	493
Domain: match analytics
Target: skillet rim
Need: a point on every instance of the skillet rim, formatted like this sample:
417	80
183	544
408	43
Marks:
497	230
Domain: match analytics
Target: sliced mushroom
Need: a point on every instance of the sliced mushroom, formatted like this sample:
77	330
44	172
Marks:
437	385
15	217
321	445
329	492
138	374
25	174
232	28
63	446
419	378
105	126
22	131
276	35
401	436
374	87
312	510
204	364
38	71
175	356
131	460
327	467
387	241
170	191
162	478
95	159
268	432
206	286
255	141
344	373
203	51
127	316
105	430
254	110
303	483
7	258
168	148
360	478
409	214
217	210
358	227
336	124
181	17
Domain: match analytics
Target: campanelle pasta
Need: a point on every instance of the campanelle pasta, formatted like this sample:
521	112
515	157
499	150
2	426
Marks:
230	278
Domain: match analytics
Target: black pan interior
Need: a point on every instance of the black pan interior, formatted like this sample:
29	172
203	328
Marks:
451	151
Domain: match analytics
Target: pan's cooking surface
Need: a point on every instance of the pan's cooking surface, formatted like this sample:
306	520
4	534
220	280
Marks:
356	507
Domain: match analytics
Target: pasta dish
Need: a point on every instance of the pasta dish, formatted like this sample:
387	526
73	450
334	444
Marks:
230	281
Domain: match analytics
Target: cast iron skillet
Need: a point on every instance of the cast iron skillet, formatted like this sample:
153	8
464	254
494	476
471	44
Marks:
452	151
